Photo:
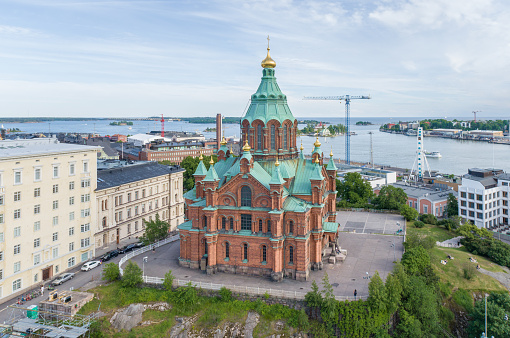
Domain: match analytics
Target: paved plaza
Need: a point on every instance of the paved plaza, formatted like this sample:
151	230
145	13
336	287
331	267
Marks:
366	253
370	222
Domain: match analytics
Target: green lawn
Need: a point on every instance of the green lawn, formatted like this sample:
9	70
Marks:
453	272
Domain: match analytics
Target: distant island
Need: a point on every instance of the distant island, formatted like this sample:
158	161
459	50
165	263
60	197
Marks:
121	123
209	130
364	123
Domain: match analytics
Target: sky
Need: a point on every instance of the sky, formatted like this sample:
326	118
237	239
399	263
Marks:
95	58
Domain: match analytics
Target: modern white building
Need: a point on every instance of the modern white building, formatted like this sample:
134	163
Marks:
46	209
483	197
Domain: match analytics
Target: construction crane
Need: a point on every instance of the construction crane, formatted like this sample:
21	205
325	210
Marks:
474	113
162	126
347	99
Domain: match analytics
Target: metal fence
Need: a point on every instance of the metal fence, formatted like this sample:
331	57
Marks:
145	249
255	291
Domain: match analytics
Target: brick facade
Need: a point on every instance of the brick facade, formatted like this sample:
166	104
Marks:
270	212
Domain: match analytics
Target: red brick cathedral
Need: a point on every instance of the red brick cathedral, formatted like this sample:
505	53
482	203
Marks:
270	212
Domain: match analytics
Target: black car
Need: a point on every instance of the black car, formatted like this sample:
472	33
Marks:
109	255
127	248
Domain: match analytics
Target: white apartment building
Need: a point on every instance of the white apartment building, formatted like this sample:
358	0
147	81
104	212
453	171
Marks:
483	197
128	195
46	209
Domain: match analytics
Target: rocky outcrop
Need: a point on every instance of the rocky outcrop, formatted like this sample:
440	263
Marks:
127	319
130	317
251	322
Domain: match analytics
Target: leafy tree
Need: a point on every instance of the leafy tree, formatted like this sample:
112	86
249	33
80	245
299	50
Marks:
422	300
169	280
390	198
328	309
190	164
419	224
313	298
408	212
414	240
111	272
377	298
408	326
354	190
428	219
155	230
498	305
452	206
132	275
415	260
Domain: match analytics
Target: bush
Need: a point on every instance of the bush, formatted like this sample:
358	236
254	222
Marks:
428	219
469	271
111	272
225	294
408	212
463	298
132	275
419	224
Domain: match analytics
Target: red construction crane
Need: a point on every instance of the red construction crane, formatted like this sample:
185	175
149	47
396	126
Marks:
162	126
474	112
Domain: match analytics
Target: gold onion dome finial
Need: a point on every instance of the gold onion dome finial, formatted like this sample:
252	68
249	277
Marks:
331	153
301	148
223	142
317	143
200	157
317	159
246	146
268	62
277	163
211	161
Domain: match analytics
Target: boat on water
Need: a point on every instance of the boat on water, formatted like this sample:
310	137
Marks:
435	154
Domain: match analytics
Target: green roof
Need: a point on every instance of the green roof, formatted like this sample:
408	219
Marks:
276	178
295	204
201	170
268	102
331	164
301	184
200	203
317	173
211	175
258	173
330	226
185	226
192	194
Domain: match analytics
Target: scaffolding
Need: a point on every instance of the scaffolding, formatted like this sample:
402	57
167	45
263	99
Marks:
36	323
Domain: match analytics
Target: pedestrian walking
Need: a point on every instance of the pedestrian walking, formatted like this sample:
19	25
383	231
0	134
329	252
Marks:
355	294
42	290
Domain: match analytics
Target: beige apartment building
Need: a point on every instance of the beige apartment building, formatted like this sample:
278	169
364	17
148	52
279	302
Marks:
46	209
127	196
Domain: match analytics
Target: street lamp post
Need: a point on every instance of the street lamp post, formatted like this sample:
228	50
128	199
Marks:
144	260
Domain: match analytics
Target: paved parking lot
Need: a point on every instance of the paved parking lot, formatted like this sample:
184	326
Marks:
370	222
366	253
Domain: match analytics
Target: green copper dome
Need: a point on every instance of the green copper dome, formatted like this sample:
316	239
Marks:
268	103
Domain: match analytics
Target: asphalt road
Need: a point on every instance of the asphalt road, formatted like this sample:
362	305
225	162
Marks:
79	280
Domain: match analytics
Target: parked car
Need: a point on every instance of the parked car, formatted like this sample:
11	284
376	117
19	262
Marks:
127	248
140	244
63	278
109	255
90	265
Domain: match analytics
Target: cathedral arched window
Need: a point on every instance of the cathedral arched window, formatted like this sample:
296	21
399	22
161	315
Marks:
227	250
223	223
260	225
245	196
268	225
285	137
205	221
264	253
291	227
259	137
245	251
291	254
273	136
231	224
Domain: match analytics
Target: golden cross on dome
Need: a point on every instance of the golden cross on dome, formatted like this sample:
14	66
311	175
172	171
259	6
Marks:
268	42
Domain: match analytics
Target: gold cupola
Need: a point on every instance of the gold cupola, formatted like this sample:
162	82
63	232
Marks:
246	146
223	142
268	62
317	144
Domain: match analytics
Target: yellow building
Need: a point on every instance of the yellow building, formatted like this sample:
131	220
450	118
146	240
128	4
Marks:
126	196
46	208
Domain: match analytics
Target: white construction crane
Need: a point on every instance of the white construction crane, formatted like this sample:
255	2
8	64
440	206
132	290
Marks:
347	99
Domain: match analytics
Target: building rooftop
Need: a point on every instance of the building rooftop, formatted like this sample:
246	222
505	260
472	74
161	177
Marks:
421	192
118	176
38	146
